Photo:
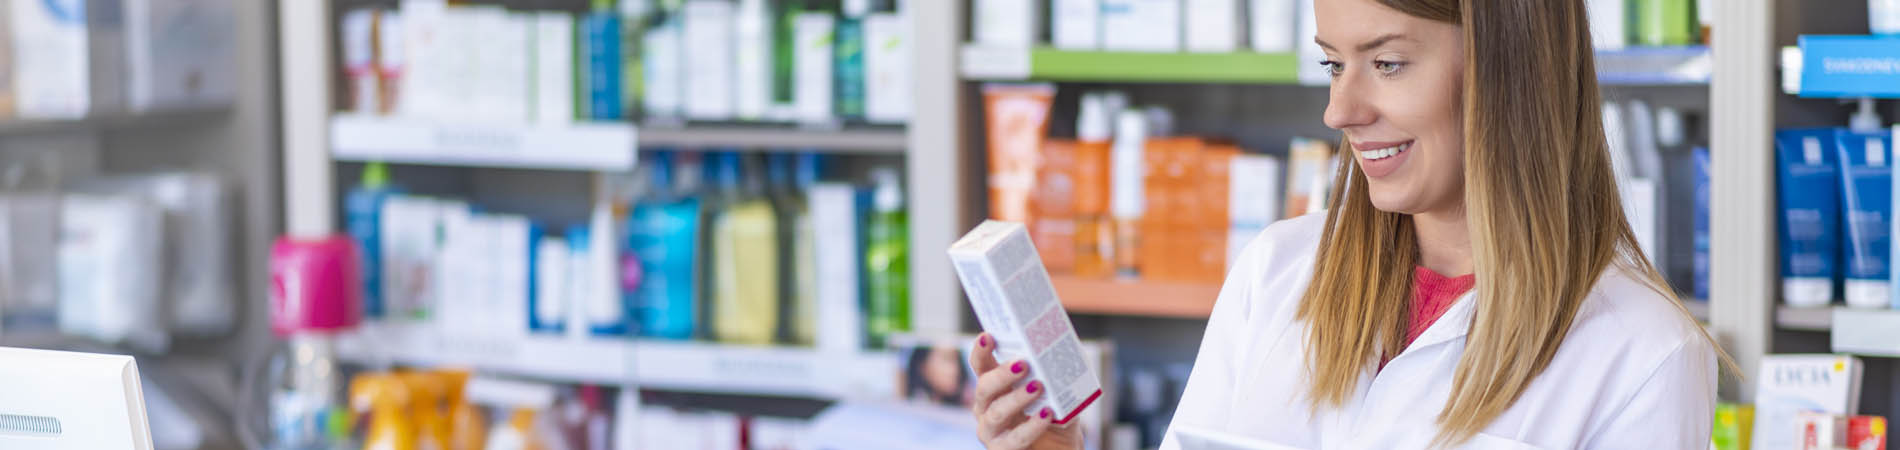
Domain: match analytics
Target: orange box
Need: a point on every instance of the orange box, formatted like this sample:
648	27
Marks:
1052	206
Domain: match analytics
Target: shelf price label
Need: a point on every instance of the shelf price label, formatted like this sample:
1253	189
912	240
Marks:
1850	66
995	63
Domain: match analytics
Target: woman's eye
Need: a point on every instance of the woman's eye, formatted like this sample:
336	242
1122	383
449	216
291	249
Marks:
1387	67
1333	68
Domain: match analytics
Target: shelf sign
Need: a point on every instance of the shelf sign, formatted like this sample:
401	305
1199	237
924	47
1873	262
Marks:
1850	66
995	63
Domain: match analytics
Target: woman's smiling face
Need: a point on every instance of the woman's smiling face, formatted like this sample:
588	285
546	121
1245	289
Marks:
1397	94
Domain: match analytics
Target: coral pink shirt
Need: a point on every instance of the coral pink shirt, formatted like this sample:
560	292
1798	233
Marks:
1432	295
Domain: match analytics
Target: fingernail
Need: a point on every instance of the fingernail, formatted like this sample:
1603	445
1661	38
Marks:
983	341
1045	413
1017	367
1035	386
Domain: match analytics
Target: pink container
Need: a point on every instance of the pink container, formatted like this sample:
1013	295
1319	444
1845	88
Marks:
316	285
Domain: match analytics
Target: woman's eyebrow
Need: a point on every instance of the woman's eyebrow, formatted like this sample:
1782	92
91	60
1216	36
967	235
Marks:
1368	45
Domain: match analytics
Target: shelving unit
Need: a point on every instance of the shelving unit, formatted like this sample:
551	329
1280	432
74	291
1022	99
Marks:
602	147
1804	319
116	121
1655	66
1866	332
1136	298
1049	64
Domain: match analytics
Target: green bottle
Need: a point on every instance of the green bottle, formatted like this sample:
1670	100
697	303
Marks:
848	52
784	46
886	261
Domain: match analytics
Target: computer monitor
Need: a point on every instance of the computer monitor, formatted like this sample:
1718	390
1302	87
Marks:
52	400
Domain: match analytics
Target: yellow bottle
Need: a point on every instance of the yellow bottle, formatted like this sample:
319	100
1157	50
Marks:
387	399
745	260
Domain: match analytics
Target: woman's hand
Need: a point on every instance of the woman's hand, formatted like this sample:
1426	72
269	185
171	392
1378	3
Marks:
998	406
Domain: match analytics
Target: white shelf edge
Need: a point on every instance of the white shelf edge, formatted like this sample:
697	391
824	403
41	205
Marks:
126	119
1803	319
579	146
706	137
1866	332
659	365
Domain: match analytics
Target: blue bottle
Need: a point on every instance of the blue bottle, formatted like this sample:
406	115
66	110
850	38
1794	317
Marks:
664	234
363	210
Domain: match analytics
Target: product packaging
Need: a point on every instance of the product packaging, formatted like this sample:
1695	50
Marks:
1017	119
886	259
1213	26
848	48
1788	385
1253	200
600	53
363	208
1272	25
887	64
813	33
1666	22
548	308
359	59
664	65
1809	208
391	61
752	64
1052	206
1608	23
6	61
1128	200
1867	433
1094	229
1734	424
1016	303
411	230
1006	23
179	53
110	269
64	65
1141	25
1076	24
553	68
745	290
1701	256
1867	212
709	59
1184	230
1883	16
1309	177
664	237
1309	49
1823	431
835	209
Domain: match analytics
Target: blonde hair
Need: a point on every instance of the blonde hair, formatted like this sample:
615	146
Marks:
1545	218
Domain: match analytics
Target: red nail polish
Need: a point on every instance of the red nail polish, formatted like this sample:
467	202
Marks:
1045	413
1035	386
1016	368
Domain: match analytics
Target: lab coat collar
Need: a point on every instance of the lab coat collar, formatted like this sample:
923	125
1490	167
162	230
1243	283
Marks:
1454	324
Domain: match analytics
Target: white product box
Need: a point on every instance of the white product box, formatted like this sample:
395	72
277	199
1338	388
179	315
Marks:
665	91
1141	25
1017	304
65	66
887	68
753	60
180	53
1272	25
1253	199
110	250
553	68
812	64
359	59
411	242
834	215
1608	23
503	66
1213	25
1789	384
709	59
1076	24
1310	73
551	273
1006	23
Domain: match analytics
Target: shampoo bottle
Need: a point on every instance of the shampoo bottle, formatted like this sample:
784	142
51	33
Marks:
848	48
1094	231
887	260
363	208
745	258
663	235
791	177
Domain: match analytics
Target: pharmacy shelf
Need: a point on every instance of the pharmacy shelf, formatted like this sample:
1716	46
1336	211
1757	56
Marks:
1048	64
605	147
1842	67
114	121
670	366
1655	66
1804	319
1121	297
870	140
1698	308
1866	332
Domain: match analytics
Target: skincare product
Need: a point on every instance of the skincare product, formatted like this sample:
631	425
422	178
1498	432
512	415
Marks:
1017	305
1867	212
1213	26
1017	118
1809	208
1076	24
1141	25
886	260
710	52
1272	25
887	64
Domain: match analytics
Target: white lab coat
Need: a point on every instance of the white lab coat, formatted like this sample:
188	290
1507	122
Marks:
1633	373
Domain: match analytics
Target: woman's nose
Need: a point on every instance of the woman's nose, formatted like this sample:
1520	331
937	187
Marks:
1348	107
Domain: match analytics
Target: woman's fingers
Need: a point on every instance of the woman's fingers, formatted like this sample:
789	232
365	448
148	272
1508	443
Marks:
983	358
1010	405
996	382
1026	433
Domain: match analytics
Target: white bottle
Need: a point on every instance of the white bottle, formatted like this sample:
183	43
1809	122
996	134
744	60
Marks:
1883	16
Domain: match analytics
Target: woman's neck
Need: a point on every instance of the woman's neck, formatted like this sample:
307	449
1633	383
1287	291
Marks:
1444	243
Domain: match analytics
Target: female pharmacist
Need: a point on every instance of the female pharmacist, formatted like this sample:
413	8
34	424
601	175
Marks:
1477	148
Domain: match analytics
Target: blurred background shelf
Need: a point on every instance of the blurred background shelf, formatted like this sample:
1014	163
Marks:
1136	298
661	365
1048	64
1866	332
1655	66
866	140
1698	308
607	147
1804	319
114	121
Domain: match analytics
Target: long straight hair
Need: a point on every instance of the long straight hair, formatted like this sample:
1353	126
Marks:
1540	199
